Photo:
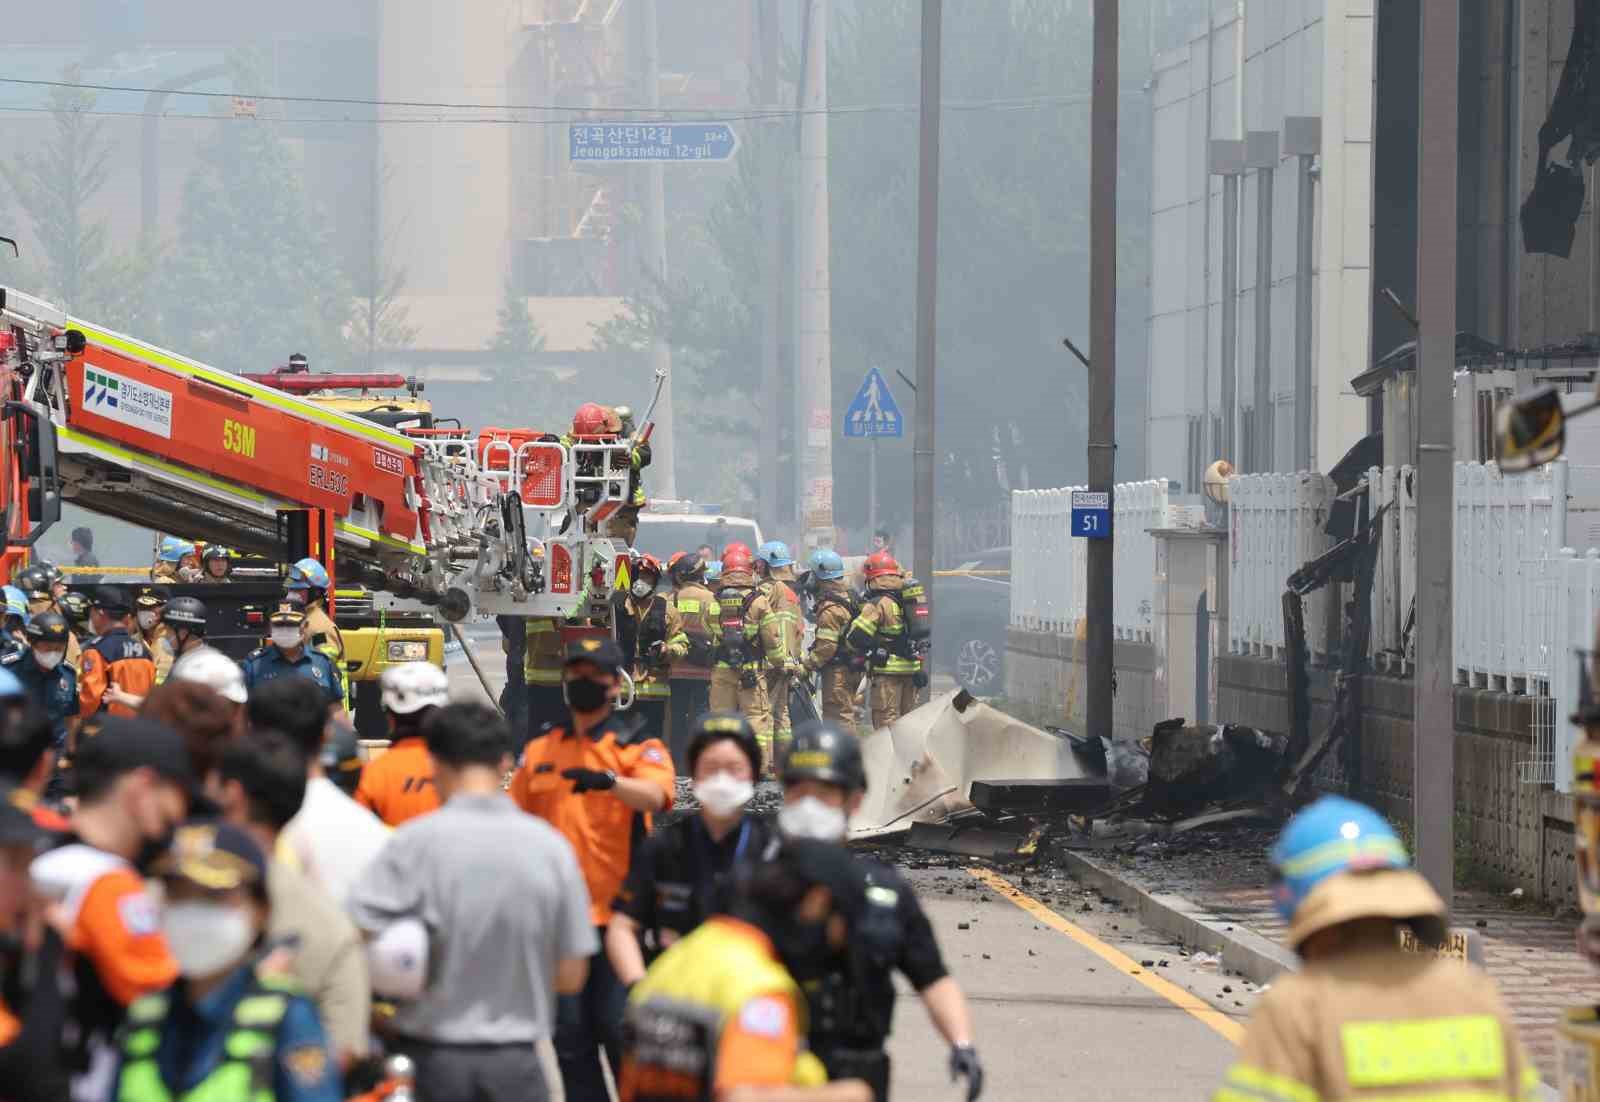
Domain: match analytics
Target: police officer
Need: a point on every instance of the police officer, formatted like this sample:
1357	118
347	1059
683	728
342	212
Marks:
680	876
185	620
1364	1018
48	680
776	611
736	682
834	608
216	563
307	587
286	655
690	675
720	1014
150	603
852	1004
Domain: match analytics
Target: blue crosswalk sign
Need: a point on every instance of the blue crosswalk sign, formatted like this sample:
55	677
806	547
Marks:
872	411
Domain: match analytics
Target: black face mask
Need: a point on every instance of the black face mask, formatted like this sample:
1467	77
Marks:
584	694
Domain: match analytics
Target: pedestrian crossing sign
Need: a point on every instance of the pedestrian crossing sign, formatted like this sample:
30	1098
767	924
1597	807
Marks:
872	411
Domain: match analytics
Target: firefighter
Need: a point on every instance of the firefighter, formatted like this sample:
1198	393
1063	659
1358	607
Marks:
697	610
118	672
543	656
736	682
307	587
75	607
648	629
776	611
721	1015
852	1003
46	590
185	619
1363	1017
175	562
153	632
834	609
597	424
287	655
216	564
880	634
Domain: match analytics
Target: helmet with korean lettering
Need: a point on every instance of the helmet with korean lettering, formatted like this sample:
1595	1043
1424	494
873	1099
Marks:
48	627
881	564
736	556
186	612
34	581
775	553
76	607
308	573
590	420
1337	861
174	549
412	686
826	564
824	751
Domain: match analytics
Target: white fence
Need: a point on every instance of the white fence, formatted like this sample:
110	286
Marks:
1275	527
1570	600
1048	565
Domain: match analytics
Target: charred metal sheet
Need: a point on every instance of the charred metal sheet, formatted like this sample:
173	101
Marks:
1077	794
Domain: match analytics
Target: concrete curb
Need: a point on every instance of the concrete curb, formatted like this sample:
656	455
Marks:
1246	952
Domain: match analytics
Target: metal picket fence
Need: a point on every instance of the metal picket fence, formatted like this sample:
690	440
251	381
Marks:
1275	527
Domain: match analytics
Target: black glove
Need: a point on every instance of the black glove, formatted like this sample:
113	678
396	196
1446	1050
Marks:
919	679
590	780
964	1062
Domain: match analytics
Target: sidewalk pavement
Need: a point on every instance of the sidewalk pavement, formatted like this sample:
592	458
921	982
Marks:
1214	897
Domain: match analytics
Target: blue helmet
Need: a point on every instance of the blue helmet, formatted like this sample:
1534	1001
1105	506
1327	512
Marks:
174	549
775	553
826	565
1330	836
16	602
307	574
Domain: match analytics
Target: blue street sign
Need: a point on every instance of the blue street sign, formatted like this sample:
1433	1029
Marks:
1091	515
623	143
872	411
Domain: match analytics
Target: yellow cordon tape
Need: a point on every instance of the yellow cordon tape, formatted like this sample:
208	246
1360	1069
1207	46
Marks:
118	571
1184	1000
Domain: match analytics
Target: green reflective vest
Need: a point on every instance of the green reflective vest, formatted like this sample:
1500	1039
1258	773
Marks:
245	1073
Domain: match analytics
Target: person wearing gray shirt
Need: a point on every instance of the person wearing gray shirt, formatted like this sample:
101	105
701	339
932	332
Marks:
506	913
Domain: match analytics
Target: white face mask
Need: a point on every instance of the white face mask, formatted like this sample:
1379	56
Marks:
206	938
809	817
722	794
643	589
285	638
49	659
148	620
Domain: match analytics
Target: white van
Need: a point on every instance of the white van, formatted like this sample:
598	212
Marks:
669	526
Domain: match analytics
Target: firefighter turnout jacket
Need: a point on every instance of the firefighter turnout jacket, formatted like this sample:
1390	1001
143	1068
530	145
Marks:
1381	1022
641	625
716	1011
544	654
322	635
693	649
775	611
879	630
835	611
737	627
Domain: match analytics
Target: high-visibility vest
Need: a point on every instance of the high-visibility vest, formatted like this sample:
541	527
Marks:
246	1073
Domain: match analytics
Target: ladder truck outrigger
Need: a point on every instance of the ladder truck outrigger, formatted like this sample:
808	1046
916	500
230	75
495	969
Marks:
500	522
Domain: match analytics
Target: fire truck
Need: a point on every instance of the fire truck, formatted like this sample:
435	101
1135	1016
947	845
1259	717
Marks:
495	522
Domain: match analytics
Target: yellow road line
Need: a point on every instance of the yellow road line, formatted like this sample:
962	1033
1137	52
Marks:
1177	996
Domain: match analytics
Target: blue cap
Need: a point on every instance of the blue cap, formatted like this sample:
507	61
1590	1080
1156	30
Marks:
775	553
1330	836
826	564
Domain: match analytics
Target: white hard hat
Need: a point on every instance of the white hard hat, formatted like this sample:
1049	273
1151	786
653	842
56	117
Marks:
216	671
397	959
413	686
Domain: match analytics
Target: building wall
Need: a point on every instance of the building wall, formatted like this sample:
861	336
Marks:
1045	677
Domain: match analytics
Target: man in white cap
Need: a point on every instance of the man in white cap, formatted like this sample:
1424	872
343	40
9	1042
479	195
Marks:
399	785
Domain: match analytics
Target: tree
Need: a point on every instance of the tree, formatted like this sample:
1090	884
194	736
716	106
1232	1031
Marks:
379	317
251	278
516	338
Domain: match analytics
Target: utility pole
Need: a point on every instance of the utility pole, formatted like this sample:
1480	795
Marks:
767	54
1100	665
663	443
1433	726
922	511
814	432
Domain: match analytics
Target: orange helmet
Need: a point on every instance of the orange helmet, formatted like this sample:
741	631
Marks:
880	563
736	556
590	420
647	564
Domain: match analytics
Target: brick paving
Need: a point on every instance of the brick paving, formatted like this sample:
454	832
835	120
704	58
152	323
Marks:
1528	951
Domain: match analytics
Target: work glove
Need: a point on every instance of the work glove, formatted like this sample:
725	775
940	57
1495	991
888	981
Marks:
590	780
919	679
964	1062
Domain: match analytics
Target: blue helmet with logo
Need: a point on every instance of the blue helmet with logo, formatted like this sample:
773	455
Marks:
307	574
1330	836
826	565
775	553
174	549
16	603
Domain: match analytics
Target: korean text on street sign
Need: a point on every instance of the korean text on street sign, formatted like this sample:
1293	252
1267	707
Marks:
872	411
651	141
1091	515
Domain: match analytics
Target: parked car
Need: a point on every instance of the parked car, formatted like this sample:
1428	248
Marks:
970	616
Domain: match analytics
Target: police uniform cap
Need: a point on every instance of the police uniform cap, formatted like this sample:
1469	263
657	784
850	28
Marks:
113	599
47	627
218	857
288	614
153	596
602	651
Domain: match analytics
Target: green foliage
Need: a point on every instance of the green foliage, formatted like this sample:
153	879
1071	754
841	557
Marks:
516	337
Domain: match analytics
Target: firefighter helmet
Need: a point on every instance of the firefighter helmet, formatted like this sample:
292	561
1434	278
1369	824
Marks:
52	571
684	566
881	563
190	612
775	553
644	563
76	606
824	751
736	556
174	549
590	420
47	627
16	602
826	565
35	582
413	686
215	551
307	574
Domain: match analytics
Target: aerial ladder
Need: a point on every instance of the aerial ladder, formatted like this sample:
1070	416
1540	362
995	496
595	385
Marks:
502	522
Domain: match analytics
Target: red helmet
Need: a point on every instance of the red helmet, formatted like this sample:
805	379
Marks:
880	563
647	564
736	556
590	420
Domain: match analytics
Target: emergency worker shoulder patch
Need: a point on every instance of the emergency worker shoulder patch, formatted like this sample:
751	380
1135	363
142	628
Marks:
307	1065
767	1016
139	914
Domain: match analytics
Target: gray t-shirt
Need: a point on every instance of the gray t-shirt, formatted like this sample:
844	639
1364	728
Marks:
503	899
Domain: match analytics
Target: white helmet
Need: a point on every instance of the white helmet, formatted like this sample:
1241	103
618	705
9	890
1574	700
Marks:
216	671
413	686
397	959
